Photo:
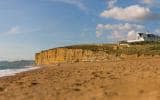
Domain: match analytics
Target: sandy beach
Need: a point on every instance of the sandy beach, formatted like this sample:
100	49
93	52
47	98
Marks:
136	79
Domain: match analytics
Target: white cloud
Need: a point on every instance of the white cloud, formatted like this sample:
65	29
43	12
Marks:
13	30
18	30
148	1
157	31
151	3
130	13
111	3
120	27
76	3
132	35
119	31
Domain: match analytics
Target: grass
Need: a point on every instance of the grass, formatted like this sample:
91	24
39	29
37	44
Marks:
141	48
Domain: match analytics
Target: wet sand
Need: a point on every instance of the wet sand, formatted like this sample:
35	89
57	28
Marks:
136	79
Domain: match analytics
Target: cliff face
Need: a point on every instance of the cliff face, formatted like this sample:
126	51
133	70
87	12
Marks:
96	53
68	55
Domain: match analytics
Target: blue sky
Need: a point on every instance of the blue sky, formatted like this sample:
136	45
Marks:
29	26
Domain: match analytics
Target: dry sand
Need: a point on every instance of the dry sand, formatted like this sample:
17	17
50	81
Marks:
137	79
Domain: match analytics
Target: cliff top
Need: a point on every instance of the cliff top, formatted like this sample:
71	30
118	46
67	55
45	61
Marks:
134	48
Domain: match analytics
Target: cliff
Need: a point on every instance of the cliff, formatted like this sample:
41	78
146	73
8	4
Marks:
68	55
95	53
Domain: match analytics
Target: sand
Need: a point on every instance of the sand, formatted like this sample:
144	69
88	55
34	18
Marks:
136	79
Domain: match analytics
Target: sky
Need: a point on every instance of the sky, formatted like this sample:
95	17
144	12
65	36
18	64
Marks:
29	26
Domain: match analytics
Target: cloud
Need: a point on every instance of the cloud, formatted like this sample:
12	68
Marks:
132	35
120	27
13	30
151	3
18	30
157	31
111	3
130	13
76	3
148	1
119	31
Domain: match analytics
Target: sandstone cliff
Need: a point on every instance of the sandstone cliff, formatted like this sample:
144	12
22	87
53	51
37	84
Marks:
68	55
95	53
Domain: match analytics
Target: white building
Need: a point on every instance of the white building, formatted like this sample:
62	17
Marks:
145	37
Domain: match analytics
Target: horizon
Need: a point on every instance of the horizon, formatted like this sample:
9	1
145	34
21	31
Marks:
28	27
